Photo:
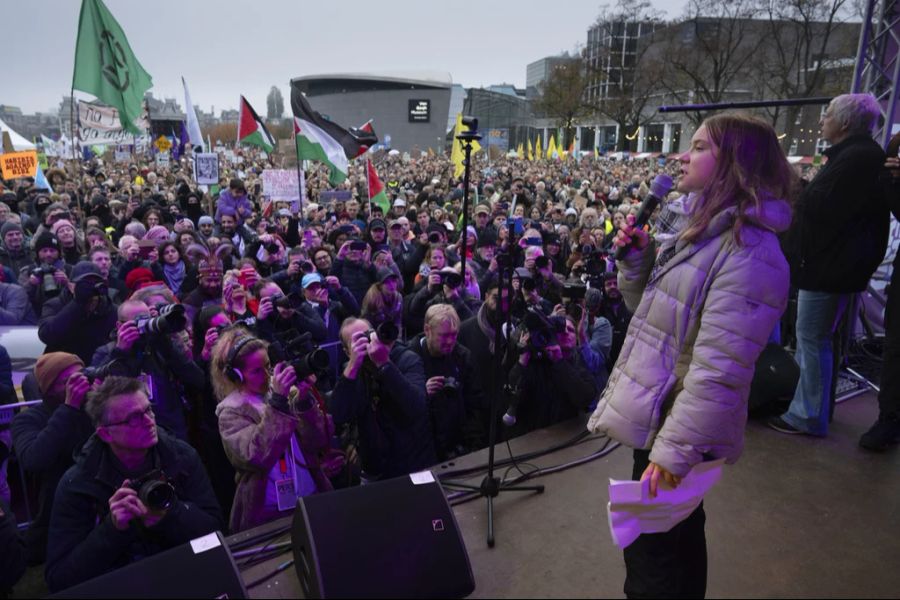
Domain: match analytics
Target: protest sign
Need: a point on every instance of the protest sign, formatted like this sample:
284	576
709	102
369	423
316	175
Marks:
282	184
162	143
100	125
42	161
123	154
19	164
206	168
162	159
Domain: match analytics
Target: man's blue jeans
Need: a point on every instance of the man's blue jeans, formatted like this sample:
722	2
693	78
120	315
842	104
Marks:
818	315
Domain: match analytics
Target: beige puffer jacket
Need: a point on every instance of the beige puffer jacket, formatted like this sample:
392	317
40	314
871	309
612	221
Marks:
681	382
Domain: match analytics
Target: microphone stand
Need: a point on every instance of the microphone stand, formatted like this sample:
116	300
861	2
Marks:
491	486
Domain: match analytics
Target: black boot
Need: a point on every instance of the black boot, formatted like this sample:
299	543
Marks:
883	434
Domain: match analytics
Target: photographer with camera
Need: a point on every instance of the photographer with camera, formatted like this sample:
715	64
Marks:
143	349
48	275
550	382
80	318
444	287
353	268
326	305
526	295
547	284
133	491
381	396
46	436
455	400
298	265
275	430
614	310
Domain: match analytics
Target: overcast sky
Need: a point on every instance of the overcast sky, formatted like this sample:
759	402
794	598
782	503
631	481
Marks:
225	48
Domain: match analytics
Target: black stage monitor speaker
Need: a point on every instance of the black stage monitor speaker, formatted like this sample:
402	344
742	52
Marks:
391	539
202	568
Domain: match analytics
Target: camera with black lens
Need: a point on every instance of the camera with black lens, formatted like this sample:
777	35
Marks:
292	300
103	371
541	262
451	279
387	332
574	290
526	279
472	133
270	228
434	237
171	319
271	247
451	385
48	282
154	490
542	331
299	351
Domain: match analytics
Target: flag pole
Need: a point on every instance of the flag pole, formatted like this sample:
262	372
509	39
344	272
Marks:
369	184
299	173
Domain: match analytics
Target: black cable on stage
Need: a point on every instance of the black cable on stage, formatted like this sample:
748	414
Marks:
282	567
250	541
527	456
261	557
458	498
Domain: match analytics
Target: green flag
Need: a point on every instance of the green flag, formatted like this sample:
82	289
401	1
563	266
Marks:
106	67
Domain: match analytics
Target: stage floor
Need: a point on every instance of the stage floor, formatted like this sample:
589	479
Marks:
795	517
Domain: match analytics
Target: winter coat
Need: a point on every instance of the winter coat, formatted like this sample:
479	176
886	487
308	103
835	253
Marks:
46	439
65	326
230	204
356	277
255	437
840	231
681	383
84	543
389	408
15	308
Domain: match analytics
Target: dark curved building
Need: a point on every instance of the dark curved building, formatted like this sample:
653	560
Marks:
409	109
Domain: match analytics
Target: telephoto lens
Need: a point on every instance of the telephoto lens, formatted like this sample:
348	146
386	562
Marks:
154	491
171	319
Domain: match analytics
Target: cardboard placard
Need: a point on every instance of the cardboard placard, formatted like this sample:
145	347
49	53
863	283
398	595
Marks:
19	164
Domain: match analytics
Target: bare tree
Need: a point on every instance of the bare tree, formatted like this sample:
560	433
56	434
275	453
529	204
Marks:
711	53
620	73
562	97
808	53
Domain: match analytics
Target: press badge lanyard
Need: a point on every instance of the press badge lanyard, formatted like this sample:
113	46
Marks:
286	487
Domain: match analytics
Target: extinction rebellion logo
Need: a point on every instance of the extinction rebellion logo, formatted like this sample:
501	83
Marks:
112	57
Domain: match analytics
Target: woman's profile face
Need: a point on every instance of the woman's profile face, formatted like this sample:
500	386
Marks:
698	164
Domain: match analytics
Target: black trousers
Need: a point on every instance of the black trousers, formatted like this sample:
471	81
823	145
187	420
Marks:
889	396
670	564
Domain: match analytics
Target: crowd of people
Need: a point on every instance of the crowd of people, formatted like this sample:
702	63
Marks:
213	354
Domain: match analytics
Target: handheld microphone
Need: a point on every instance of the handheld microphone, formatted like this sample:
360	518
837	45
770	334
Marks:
659	189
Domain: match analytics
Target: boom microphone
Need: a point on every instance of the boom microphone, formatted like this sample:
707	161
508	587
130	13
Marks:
659	189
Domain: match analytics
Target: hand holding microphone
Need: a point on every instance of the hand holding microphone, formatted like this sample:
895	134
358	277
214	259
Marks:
633	230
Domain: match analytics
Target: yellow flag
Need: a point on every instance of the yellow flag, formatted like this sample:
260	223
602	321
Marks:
596	153
530	150
520	152
551	148
430	151
538	149
457	154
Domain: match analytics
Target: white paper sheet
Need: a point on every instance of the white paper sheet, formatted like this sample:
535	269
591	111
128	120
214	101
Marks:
632	511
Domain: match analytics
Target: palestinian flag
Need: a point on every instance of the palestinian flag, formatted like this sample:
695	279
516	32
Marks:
325	141
376	189
251	129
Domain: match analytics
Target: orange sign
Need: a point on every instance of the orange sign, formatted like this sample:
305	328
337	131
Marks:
19	164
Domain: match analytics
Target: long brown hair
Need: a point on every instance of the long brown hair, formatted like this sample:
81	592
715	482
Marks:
751	167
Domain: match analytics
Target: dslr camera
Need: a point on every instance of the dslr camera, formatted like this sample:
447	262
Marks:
154	490
292	300
387	332
171	319
299	351
48	281
542	331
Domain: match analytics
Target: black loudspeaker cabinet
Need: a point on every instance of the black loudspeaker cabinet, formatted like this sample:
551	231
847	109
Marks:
202	568
391	539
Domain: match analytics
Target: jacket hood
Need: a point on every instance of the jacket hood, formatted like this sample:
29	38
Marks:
774	214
